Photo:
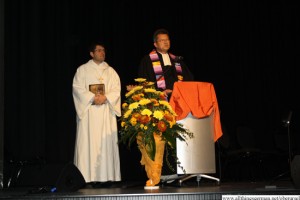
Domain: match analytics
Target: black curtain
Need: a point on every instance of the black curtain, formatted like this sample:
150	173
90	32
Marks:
247	49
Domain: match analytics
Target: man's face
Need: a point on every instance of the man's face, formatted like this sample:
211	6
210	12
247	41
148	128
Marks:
162	43
98	54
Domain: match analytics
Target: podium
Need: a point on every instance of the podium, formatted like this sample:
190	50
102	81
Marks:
196	105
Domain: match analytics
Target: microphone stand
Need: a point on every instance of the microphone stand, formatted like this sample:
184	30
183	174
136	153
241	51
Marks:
286	123
176	60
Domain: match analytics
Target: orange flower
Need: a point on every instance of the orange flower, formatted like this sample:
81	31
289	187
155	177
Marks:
137	116
155	102
136	97
144	119
145	112
161	126
169	117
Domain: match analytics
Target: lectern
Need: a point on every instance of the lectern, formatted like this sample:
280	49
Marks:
196	105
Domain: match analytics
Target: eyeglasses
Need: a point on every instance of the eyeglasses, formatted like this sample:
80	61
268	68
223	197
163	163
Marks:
163	40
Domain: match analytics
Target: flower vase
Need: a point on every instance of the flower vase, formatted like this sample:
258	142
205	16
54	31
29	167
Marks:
153	168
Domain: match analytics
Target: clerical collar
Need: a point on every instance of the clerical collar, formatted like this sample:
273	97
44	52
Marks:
159	74
166	59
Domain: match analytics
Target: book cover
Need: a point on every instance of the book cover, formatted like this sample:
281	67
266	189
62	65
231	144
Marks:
97	88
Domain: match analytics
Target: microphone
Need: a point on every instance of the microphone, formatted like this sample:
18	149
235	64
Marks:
178	58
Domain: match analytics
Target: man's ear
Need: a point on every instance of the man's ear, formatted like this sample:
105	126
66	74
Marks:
92	54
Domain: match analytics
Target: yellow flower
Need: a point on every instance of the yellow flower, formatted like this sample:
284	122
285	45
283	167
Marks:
124	105
150	90
162	102
165	103
140	80
172	123
129	93
158	114
150	83
127	113
123	124
137	88
146	112
144	101
133	121
171	110
133	105
133	90
159	93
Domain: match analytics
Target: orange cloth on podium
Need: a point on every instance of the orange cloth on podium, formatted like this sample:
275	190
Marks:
199	99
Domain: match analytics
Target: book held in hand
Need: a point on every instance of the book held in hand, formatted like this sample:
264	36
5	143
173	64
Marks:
97	88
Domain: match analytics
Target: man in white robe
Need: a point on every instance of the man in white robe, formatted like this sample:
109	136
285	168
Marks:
96	149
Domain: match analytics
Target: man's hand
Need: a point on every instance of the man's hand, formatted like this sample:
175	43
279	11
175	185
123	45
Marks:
99	99
130	87
167	92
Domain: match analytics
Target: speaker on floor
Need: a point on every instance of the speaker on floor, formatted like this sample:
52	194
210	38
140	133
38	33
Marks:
59	177
295	171
70	179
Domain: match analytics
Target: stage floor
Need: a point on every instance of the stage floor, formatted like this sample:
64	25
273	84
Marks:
207	189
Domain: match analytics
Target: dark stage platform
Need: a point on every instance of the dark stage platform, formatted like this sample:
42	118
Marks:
191	189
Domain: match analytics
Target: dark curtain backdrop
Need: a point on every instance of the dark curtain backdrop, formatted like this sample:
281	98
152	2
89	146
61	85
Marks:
248	49
1	90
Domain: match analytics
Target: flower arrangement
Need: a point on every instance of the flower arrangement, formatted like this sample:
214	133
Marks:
146	112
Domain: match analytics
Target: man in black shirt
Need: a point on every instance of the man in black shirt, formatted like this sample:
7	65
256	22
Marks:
161	66
164	68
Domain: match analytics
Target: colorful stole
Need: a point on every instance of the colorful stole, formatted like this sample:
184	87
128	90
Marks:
159	75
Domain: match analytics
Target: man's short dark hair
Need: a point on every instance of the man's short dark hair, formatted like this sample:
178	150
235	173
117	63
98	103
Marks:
159	31
93	45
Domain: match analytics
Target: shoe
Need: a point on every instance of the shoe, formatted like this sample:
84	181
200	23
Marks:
89	185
